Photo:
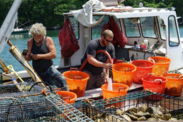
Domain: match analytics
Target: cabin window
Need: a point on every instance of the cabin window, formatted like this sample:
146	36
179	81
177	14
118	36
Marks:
118	21
131	27
148	26
162	28
75	26
96	30
173	34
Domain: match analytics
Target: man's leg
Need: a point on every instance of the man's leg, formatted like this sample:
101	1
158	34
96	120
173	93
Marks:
45	76
91	80
59	79
100	80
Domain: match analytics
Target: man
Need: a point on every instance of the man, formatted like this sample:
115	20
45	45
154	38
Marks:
41	50
97	63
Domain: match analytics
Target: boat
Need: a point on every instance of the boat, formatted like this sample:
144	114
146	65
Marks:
57	27
19	31
164	38
161	23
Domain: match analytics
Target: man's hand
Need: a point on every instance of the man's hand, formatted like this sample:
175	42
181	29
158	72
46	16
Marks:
35	56
108	65
106	79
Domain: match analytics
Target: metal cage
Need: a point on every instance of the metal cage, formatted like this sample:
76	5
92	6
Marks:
33	104
13	90
107	109
39	107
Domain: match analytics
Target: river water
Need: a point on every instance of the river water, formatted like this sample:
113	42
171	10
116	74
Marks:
20	40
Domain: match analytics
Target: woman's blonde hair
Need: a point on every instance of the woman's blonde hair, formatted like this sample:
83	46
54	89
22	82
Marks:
38	29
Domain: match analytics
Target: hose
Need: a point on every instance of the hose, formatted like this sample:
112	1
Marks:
99	51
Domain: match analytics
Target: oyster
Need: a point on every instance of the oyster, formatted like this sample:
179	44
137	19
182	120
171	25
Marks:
99	120
140	114
119	111
154	110
166	111
166	117
151	119
173	119
160	119
127	118
132	116
101	115
160	108
141	119
133	109
142	108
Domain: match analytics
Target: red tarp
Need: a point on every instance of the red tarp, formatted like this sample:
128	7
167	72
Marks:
119	38
67	40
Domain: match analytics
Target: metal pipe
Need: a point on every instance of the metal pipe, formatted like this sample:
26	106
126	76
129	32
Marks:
8	24
4	66
17	54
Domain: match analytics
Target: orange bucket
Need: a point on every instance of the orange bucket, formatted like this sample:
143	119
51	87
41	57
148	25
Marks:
68	97
174	84
76	81
123	73
155	84
117	90
143	69
161	64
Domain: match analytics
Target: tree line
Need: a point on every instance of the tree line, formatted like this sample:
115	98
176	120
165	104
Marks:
50	12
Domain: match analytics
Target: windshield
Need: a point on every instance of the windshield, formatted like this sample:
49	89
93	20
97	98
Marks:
96	30
131	27
148	26
173	34
75	26
162	28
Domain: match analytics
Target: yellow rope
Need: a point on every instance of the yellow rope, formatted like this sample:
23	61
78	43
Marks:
10	67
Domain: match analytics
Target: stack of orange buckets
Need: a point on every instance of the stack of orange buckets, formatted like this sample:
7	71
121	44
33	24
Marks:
173	85
123	79
152	73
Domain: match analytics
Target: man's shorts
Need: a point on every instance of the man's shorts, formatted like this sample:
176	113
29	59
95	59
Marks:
95	81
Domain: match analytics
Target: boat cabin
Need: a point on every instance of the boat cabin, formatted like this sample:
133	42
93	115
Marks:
158	26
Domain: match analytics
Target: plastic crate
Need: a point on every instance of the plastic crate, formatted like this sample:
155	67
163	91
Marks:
109	107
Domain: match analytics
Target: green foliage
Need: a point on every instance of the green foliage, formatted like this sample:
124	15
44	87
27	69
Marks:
161	5
50	12
4	8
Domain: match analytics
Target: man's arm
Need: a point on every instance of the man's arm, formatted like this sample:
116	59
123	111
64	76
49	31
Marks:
50	55
107	70
91	59
28	57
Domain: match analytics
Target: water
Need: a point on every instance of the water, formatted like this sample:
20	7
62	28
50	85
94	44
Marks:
20	40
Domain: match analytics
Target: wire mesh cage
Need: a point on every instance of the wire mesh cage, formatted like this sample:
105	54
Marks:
140	106
38	107
12	90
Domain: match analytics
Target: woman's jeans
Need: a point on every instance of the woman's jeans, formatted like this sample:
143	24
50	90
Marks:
53	77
